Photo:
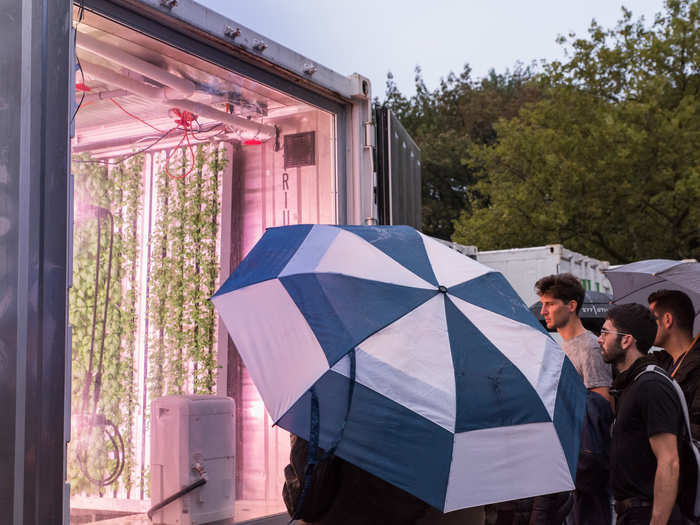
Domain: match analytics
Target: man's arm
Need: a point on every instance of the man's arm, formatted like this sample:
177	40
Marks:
605	392
598	374
666	479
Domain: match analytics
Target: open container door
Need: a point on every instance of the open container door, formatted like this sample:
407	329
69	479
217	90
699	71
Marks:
398	172
34	128
184	153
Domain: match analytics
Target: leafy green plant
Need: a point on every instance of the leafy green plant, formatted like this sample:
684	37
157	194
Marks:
103	319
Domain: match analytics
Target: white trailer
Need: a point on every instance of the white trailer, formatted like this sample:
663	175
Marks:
524	266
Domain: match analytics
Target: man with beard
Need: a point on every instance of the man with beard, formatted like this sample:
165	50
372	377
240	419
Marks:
680	357
644	452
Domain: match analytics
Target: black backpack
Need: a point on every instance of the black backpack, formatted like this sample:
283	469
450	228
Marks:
689	456
323	486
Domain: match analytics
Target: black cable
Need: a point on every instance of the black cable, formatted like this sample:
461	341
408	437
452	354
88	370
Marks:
82	77
167	501
211	128
126	157
200	128
119	453
81	10
98	376
88	374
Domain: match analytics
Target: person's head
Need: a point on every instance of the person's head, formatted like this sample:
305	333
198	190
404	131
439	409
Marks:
674	312
561	296
627	328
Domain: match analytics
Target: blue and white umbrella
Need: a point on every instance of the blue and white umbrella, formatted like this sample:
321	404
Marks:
460	396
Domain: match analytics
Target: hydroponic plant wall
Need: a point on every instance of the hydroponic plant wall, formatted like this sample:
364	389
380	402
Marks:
146	260
184	268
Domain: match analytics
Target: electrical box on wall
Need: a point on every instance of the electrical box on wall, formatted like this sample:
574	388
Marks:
299	150
193	437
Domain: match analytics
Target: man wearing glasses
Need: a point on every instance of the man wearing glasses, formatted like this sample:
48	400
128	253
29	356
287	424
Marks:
644	463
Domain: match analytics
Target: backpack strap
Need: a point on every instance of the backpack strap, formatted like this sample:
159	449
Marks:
684	407
314	434
351	391
691	441
314	437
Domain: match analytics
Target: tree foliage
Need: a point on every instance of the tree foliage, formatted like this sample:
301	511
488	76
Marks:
607	161
445	123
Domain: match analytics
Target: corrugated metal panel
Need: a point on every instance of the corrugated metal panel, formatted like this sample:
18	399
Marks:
398	172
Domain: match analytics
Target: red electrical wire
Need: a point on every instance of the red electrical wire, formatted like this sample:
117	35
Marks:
185	120
134	116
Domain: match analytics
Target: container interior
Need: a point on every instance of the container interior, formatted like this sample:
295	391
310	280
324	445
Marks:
179	166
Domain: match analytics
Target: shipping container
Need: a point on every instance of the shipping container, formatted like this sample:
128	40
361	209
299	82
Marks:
147	145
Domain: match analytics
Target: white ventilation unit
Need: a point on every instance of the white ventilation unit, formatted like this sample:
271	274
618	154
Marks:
192	459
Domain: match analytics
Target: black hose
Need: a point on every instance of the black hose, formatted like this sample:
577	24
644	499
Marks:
177	495
88	374
115	437
95	419
98	376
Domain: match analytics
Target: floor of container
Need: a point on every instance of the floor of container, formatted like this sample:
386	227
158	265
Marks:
104	511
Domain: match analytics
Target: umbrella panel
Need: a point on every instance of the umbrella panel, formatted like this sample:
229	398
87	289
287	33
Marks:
485	379
342	311
395	450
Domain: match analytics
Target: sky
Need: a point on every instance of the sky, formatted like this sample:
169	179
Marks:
373	37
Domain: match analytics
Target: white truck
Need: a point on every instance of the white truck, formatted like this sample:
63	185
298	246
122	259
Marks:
522	267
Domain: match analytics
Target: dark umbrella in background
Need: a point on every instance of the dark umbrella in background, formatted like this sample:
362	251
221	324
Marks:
634	282
593	311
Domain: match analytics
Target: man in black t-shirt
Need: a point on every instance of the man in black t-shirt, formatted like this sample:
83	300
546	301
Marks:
644	462
674	313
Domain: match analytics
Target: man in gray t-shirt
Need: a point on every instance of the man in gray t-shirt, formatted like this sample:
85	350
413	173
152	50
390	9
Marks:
584	353
561	297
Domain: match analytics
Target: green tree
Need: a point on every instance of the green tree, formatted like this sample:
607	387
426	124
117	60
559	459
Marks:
608	161
445	123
